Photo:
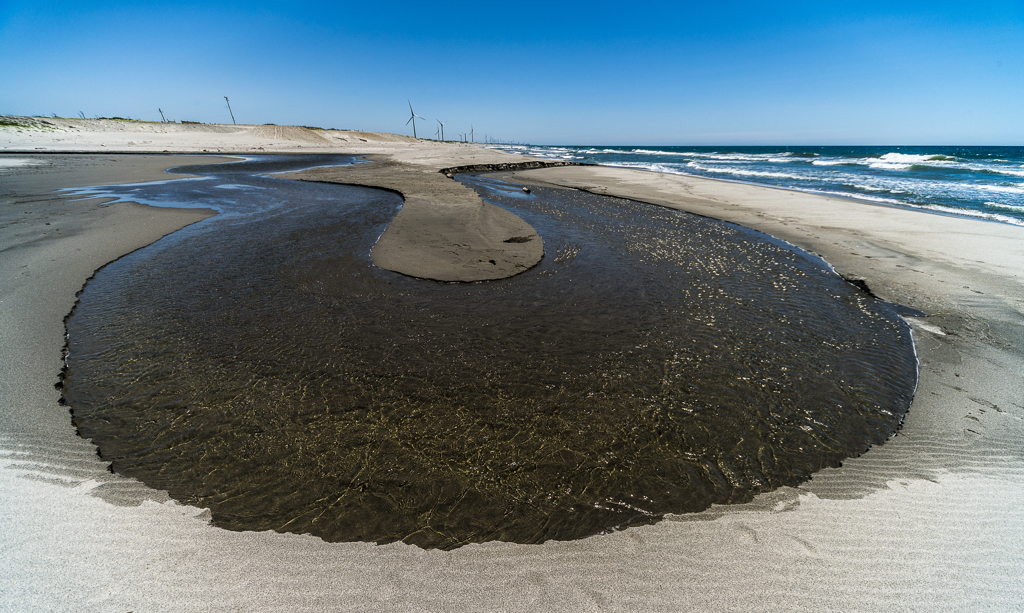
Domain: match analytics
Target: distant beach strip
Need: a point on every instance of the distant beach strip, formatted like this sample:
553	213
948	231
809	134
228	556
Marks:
978	182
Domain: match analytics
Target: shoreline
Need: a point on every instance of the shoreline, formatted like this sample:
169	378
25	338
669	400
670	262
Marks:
863	201
925	518
773	210
969	181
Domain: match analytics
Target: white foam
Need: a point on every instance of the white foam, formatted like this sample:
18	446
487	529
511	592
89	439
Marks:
719	157
749	173
653	167
867	197
1005	189
882	165
906	158
946	210
740	157
651	152
837	162
970	213
873	188
1002	171
893	161
1006	206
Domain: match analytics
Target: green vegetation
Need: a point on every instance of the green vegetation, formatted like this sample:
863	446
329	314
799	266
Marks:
128	119
24	123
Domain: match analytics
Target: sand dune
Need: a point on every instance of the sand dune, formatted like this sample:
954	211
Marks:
61	134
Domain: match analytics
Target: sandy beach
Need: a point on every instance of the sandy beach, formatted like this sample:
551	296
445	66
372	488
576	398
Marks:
930	521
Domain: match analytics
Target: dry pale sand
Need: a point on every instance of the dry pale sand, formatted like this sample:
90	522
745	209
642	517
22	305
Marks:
931	521
46	134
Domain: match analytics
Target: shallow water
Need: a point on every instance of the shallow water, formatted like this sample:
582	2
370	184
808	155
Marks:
654	362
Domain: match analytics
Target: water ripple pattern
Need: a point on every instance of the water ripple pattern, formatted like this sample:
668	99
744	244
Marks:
655	362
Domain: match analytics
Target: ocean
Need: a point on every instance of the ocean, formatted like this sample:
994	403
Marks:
978	182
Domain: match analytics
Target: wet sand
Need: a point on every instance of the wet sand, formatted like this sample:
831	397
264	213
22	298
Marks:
444	230
51	245
931	520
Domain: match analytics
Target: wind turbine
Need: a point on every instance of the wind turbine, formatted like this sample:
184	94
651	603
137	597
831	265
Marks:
472	134
413	119
442	127
229	109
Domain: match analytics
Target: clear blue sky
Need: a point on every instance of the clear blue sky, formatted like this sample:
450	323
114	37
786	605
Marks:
541	72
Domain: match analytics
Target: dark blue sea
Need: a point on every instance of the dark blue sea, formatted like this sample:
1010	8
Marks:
979	182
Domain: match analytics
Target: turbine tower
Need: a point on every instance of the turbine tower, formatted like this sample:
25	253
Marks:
229	109
412	118
442	127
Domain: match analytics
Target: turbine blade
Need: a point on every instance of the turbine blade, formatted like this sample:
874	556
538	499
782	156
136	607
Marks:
407	123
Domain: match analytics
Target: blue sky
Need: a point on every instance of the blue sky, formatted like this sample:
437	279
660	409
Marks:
545	73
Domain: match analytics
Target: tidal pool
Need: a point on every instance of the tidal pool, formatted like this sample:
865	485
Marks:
654	362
